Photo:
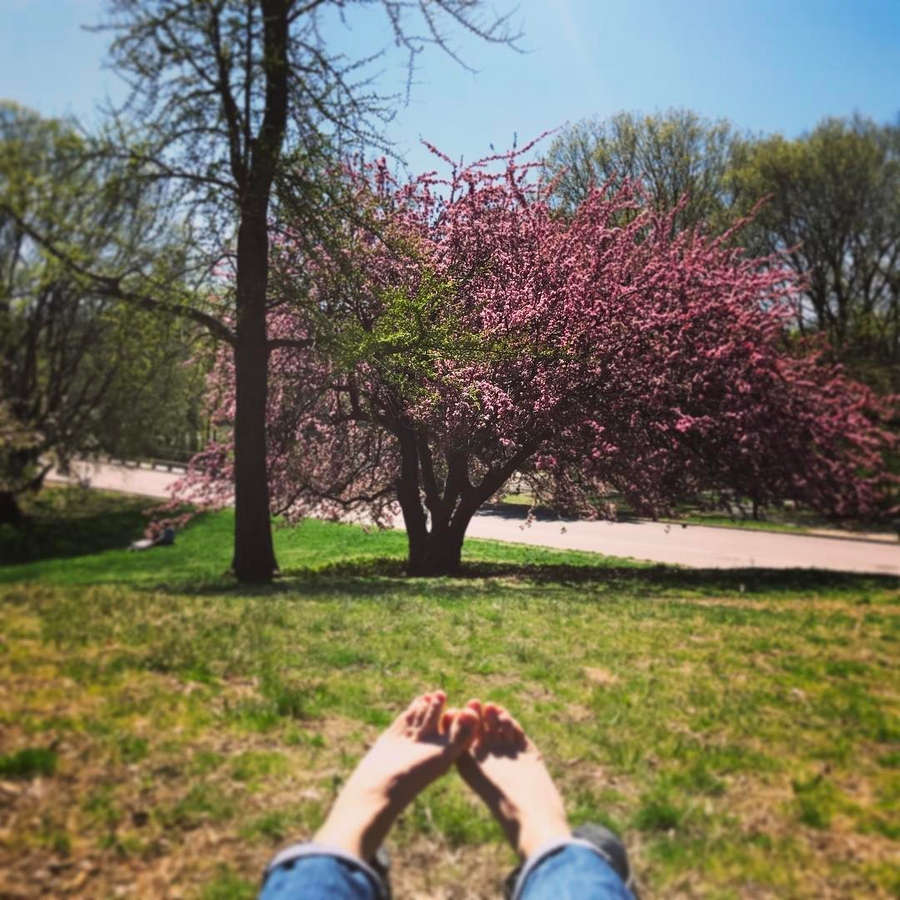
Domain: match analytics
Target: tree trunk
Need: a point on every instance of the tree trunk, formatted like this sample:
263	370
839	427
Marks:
434	551
254	554
438	553
408	496
10	514
437	550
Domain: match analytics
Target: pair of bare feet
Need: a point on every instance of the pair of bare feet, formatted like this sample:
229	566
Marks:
491	752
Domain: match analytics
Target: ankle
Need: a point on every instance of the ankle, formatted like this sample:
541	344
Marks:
531	840
355	827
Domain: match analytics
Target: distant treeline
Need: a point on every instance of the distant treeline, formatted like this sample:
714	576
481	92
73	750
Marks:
90	366
828	203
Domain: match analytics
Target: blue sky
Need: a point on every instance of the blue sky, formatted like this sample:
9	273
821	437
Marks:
767	65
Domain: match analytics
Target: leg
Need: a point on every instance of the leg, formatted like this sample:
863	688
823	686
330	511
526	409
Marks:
316	873
506	770
573	871
421	744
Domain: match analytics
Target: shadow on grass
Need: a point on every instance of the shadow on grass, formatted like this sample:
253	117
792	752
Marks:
386	576
330	560
68	522
42	537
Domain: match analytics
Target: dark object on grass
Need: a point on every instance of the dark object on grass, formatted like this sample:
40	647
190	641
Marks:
164	539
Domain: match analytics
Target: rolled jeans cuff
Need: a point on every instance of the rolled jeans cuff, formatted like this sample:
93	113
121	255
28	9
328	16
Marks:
301	851
548	849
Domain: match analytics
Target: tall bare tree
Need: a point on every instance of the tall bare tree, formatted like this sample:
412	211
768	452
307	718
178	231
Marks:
219	91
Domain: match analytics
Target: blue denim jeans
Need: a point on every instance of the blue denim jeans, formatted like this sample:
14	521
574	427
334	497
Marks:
564	870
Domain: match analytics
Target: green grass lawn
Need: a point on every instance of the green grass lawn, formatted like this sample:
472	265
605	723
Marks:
163	731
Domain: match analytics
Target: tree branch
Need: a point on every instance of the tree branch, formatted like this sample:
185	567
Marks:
111	286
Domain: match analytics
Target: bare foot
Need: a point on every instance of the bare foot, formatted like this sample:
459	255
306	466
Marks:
421	744
506	770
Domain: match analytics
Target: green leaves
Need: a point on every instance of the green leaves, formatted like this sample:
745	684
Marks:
833	207
81	368
413	334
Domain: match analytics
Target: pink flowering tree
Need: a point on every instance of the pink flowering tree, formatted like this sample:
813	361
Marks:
465	331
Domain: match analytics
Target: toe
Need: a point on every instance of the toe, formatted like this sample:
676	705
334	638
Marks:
474	706
517	732
420	708
408	716
491	718
448	717
507	732
432	715
463	730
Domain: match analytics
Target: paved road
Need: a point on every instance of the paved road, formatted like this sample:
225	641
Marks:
700	546
692	545
138	479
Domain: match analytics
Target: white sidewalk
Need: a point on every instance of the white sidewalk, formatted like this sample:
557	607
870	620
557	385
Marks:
690	545
137	479
700	546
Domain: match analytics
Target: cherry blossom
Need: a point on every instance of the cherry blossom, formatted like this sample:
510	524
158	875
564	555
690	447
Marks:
463	330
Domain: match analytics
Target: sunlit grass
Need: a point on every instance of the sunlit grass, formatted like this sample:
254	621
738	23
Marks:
739	728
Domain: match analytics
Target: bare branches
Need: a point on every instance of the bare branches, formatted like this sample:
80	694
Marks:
229	107
112	286
461	13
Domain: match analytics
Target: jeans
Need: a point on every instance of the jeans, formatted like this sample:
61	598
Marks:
564	870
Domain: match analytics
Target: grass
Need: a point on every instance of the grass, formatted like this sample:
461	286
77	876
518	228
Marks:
162	727
29	762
